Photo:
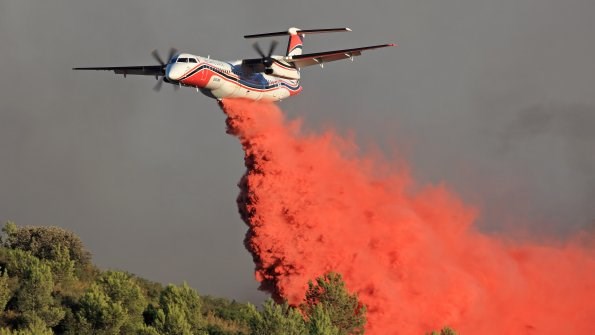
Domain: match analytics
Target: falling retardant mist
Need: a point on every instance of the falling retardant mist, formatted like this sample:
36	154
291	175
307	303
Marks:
314	204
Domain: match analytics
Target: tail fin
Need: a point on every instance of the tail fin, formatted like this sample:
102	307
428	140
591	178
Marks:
296	37
295	43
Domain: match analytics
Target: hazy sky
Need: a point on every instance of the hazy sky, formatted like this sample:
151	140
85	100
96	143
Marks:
494	97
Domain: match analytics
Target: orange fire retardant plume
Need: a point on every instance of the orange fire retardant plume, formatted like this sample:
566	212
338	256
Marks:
313	204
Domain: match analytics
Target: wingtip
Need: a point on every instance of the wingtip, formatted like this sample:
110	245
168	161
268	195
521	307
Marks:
393	45
348	29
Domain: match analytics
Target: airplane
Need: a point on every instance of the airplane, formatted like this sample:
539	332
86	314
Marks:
270	77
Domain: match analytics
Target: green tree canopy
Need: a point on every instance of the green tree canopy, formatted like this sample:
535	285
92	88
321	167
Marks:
120	287
172	320
37	327
320	323
344	309
34	298
42	292
5	291
45	242
180	304
276	319
444	331
98	314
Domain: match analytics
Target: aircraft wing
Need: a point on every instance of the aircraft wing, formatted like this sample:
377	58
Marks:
330	56
150	70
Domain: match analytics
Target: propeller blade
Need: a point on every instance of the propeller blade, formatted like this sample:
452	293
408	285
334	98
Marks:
155	54
157	86
257	48
272	48
172	52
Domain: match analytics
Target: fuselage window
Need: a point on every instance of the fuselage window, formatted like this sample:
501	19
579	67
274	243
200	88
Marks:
192	60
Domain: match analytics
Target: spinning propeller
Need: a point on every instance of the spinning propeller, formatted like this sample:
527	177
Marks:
267	60
163	64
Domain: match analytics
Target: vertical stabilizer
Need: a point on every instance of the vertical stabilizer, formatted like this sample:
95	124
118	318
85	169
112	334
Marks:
296	42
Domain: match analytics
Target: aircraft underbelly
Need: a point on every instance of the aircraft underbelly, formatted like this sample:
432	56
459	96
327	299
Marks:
224	90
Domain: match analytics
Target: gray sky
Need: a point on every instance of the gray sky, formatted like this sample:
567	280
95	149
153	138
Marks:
495	98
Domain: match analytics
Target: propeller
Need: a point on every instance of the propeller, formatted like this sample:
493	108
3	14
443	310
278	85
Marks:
267	60
163	64
158	58
160	81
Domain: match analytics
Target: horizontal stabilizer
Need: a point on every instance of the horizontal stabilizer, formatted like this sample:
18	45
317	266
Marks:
320	58
295	31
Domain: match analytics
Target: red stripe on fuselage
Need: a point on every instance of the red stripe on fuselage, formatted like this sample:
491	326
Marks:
197	80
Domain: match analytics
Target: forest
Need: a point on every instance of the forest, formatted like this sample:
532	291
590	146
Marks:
49	285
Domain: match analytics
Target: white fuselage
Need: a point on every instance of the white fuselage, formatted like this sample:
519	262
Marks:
220	80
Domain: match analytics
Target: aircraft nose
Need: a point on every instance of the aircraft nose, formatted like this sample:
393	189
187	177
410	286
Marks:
174	72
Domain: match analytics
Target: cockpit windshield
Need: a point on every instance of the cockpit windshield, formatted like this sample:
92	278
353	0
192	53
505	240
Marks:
186	60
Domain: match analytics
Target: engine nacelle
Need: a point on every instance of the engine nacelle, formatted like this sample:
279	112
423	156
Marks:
280	70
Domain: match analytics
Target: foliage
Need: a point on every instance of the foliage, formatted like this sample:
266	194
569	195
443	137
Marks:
320	322
219	326
180	311
61	264
146	330
444	331
34	298
150	289
5	291
345	311
99	314
172	320
276	319
225	317
45	242
17	262
225	309
121	288
37	327
49	286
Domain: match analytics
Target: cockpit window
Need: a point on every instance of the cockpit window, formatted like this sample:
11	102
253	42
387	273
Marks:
192	60
182	60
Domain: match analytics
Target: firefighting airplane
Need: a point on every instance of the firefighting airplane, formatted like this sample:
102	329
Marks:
270	77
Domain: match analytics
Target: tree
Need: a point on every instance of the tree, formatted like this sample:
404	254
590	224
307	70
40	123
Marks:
320	323
180	304
344	309
44	242
61	264
172	320
444	331
17	262
227	317
121	288
5	291
98	314
37	327
145	330
34	298
278	319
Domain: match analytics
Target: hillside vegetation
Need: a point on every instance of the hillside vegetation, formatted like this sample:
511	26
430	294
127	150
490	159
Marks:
48	285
